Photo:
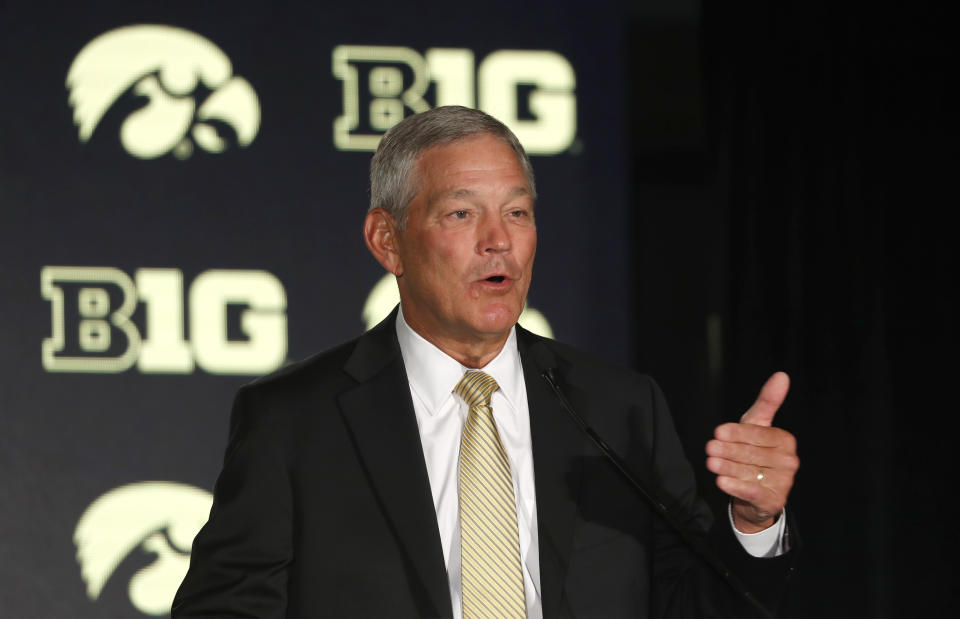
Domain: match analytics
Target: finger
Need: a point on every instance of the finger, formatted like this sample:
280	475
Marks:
767	457
772	394
743	472
777	438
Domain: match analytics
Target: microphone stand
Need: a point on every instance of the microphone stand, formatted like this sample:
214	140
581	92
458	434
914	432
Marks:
693	540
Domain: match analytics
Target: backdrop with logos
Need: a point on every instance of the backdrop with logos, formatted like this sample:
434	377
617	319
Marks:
182	188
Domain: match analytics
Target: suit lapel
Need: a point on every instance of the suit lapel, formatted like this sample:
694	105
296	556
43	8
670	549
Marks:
557	460
379	413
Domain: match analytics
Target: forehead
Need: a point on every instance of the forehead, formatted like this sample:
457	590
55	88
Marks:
477	159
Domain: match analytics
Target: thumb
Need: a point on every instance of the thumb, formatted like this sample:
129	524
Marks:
772	394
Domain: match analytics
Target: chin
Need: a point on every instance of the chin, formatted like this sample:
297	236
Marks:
499	321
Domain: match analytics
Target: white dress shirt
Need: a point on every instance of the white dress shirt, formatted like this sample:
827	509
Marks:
432	375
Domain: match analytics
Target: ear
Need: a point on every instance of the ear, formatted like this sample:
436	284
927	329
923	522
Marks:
380	234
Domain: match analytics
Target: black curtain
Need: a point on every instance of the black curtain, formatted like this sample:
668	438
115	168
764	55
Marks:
830	133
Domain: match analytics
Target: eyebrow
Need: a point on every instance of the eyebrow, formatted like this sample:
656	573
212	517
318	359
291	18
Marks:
460	194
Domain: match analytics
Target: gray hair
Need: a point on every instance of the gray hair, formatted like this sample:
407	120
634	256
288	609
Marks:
393	182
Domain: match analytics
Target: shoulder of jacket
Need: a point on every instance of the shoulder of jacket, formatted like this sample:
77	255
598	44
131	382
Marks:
314	371
589	370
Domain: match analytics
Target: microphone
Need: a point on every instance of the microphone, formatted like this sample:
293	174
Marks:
693	540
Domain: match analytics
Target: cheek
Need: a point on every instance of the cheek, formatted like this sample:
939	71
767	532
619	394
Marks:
530	247
442	267
449	256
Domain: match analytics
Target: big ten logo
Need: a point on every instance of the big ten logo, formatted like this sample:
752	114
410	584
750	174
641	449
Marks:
531	91
104	321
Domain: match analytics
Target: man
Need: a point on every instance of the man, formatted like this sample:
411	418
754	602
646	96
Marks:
388	478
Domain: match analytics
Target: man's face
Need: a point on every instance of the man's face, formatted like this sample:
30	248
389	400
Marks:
467	252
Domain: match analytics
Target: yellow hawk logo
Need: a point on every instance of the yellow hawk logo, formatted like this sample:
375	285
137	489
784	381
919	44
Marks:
158	517
166	65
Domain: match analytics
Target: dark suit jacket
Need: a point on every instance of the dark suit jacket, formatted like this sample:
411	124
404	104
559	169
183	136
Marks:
323	507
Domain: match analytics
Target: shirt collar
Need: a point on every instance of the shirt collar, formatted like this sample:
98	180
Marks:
433	374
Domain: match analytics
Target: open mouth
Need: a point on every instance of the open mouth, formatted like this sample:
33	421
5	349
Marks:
496	279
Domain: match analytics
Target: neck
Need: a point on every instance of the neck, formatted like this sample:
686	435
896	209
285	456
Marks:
470	352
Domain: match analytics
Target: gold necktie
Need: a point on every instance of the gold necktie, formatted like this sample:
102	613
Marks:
491	575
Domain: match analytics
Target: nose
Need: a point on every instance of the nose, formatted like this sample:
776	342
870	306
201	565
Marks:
494	235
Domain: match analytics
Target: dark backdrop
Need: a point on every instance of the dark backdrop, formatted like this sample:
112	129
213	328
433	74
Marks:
795	200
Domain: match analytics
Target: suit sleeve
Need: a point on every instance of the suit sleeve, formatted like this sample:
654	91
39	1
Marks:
238	566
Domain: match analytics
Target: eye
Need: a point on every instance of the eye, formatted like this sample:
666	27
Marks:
519	213
461	214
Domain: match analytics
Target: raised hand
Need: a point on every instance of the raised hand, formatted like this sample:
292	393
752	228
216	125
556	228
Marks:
755	462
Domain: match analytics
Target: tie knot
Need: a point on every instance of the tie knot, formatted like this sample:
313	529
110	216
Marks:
475	388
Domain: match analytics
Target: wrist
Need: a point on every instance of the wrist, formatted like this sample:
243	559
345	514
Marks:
750	525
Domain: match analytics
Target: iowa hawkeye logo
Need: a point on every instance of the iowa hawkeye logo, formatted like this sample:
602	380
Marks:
151	524
192	96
